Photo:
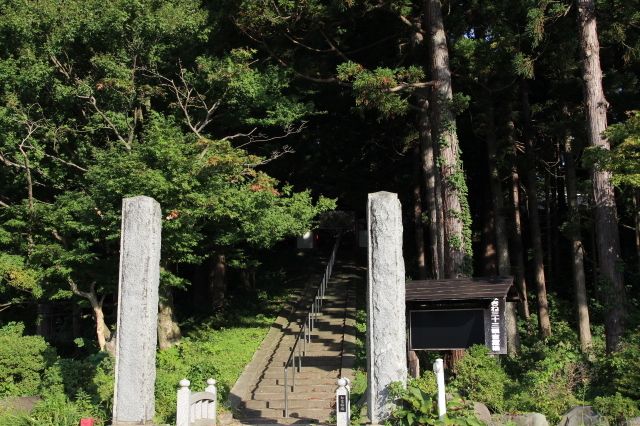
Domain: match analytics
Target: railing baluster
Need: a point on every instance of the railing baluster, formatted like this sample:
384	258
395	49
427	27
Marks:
286	389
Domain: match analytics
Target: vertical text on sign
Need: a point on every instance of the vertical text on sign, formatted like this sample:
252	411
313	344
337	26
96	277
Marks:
495	325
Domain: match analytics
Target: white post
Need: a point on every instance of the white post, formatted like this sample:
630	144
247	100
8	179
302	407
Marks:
182	408
438	369
211	409
343	409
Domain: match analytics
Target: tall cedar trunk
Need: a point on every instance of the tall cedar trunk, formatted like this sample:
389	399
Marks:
516	231
577	264
218	280
500	227
429	171
453	195
548	196
606	222
168	329
453	186
489	262
636	208
418	230
534	221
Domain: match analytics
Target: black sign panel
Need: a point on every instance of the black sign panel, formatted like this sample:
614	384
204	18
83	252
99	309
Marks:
459	327
342	403
447	329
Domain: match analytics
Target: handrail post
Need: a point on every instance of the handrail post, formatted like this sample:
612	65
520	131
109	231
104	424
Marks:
293	374
286	393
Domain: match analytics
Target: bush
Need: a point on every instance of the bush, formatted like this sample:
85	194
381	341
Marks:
23	361
553	373
480	377
616	409
622	369
417	407
56	410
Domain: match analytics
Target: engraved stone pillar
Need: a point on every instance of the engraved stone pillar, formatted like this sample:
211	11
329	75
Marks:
386	328
133	401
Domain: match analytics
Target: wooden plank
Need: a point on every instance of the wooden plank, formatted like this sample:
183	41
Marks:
458	289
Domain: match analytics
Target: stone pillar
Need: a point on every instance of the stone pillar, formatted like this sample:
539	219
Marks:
133	401
386	322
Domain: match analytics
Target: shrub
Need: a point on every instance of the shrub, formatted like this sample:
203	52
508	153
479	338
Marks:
417	407
23	361
553	372
622	369
480	377
617	408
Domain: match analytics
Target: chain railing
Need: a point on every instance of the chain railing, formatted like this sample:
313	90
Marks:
307	327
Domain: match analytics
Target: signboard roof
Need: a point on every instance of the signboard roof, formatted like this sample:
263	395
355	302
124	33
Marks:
458	289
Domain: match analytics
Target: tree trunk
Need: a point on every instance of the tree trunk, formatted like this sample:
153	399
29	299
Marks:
636	208
418	229
454	191
544	323
103	334
168	329
218	280
577	265
606	221
500	228
413	364
456	219
44	326
431	201
548	196
517	246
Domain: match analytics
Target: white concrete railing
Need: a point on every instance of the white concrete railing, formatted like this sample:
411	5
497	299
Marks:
197	408
343	402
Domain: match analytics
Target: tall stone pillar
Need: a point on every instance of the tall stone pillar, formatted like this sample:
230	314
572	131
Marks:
134	399
386	321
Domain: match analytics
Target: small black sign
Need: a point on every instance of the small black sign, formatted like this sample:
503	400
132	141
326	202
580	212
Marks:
447	329
342	403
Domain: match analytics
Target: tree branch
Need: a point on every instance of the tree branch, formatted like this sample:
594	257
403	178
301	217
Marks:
92	101
411	86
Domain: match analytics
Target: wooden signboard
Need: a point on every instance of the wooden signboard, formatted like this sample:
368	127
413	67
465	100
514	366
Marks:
457	314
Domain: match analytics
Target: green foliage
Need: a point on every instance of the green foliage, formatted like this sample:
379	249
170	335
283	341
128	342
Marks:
624	158
56	410
617	408
620	372
207	353
24	360
479	377
551	374
417	407
381	89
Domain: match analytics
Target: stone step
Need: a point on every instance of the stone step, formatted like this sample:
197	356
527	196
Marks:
308	381
315	361
276	422
313	415
293	404
279	389
298	395
316	352
278	372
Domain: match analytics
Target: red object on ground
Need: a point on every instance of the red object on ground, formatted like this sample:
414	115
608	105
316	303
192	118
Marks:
87	422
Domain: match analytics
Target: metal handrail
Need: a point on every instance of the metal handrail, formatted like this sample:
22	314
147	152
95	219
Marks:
307	328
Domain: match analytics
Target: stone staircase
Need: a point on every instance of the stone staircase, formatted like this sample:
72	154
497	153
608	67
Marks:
259	393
